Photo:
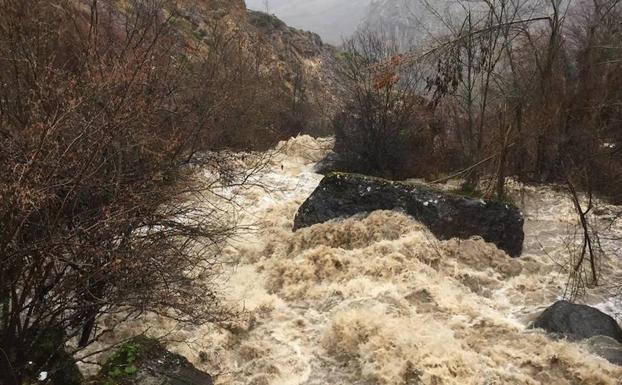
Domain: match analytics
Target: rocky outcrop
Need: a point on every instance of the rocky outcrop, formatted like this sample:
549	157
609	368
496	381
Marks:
144	361
287	41
300	57
446	215
577	322
294	59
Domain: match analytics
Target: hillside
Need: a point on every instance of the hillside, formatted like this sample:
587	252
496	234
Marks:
295	56
194	192
289	47
408	21
334	20
302	58
276	72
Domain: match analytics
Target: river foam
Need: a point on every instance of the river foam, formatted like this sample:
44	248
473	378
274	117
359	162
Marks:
379	300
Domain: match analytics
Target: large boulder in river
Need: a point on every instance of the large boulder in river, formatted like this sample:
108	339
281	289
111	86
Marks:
606	347
144	361
446	215
577	322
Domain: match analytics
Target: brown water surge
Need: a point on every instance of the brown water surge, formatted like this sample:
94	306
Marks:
379	300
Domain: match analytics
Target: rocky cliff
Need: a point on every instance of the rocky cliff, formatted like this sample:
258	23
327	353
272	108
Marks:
297	57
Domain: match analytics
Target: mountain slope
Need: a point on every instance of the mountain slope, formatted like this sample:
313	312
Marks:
292	59
410	22
333	20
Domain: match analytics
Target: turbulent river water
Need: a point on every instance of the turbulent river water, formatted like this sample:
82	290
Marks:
379	300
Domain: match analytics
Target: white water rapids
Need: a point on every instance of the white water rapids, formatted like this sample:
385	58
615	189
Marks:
379	300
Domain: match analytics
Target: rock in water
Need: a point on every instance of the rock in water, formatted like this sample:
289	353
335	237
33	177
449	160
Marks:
144	361
577	322
446	215
606	347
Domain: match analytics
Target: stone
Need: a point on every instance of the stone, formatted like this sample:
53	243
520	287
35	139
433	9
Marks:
447	215
606	347
577	322
144	361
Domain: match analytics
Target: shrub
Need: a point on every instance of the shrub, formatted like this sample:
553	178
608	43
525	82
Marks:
96	214
383	121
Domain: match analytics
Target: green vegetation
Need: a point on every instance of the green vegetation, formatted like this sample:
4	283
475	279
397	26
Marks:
123	365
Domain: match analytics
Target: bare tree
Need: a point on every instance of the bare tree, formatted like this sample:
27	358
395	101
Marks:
382	115
589	252
98	134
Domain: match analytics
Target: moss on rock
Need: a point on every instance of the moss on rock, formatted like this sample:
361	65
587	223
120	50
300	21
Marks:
447	215
122	366
144	360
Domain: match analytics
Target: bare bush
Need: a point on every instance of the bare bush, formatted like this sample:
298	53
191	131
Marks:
96	215
382	119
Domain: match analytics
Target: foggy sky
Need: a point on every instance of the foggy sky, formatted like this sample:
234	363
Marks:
331	19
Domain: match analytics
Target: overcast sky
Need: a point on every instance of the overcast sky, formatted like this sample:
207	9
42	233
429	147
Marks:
331	19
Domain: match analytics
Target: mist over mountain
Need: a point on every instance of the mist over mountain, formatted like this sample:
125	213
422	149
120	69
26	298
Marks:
407	21
410	22
333	20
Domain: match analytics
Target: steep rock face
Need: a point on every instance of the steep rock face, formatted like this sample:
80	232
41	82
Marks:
446	215
285	39
301	58
296	57
402	20
227	4
577	322
288	45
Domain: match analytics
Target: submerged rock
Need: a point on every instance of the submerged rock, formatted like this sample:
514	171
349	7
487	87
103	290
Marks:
577	322
144	361
606	347
446	215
